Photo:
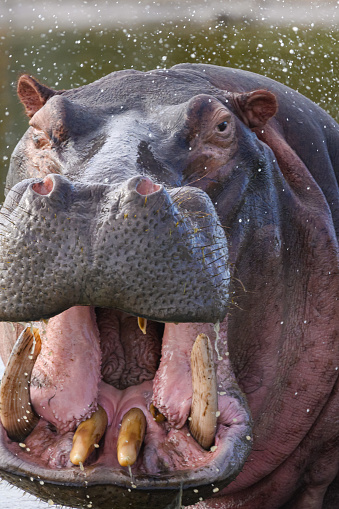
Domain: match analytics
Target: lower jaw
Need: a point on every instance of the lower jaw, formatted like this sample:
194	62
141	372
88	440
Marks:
170	459
103	492
100	486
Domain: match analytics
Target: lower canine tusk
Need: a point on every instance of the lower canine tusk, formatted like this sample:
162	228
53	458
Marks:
87	435
204	406
131	436
16	412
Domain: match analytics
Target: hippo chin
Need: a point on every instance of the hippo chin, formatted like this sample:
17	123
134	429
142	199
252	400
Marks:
169	294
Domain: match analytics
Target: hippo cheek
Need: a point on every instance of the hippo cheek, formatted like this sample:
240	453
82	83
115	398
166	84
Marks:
119	408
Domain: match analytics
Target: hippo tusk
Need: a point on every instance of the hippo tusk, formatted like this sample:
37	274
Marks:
131	436
88	436
142	322
203	419
16	412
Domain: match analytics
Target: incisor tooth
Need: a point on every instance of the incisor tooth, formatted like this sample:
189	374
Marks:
157	416
131	436
87	436
16	412
204	407
142	322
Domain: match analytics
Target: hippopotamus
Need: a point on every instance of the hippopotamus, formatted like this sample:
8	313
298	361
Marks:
169	294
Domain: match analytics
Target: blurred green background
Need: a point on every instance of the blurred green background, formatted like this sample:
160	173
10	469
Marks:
66	44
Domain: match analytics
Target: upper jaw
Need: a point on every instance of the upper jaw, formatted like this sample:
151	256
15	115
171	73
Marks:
162	441
112	255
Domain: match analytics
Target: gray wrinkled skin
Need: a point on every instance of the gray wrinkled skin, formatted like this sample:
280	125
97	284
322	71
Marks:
105	242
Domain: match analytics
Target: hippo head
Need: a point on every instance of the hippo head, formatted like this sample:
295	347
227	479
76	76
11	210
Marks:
141	228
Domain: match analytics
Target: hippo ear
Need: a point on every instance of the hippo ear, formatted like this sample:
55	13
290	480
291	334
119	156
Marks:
33	94
256	108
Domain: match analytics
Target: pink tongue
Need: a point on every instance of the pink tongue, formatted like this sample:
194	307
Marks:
66	375
172	386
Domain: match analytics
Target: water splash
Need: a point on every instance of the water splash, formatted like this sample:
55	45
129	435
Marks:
43	325
180	497
131	476
34	341
216	327
177	502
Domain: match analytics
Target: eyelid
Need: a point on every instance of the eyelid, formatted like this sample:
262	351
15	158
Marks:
40	138
37	131
33	123
225	117
36	124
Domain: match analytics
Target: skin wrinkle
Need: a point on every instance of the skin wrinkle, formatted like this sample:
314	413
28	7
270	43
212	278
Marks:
111	347
138	353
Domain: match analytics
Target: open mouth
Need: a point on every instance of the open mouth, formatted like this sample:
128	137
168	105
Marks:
122	400
98	395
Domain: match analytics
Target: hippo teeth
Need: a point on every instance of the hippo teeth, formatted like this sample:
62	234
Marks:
142	323
16	412
203	419
157	416
203	407
88	436
131	436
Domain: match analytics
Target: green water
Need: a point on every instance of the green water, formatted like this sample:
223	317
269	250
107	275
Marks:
303	57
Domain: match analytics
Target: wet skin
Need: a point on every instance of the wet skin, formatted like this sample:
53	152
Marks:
205	200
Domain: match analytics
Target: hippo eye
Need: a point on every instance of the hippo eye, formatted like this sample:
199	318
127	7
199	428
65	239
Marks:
40	140
222	126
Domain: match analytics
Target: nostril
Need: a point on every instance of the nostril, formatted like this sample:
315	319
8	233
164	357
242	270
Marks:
146	186
44	187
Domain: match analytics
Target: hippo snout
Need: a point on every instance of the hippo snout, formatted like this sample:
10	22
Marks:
134	246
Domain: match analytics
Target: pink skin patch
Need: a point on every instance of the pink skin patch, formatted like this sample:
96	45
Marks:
146	187
44	187
175	372
65	378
